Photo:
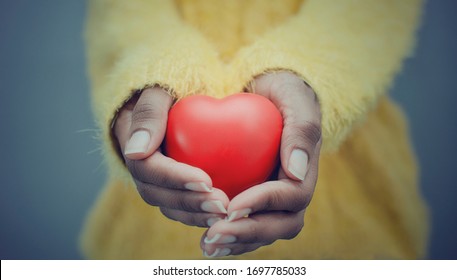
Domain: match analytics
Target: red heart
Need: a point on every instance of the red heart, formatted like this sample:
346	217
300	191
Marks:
235	140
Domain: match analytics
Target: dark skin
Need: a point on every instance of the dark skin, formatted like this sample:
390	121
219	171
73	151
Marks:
256	217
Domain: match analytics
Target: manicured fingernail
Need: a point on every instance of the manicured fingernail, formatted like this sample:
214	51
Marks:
218	253
220	239
226	239
214	254
224	252
238	214
212	240
198	187
212	221
214	206
298	163
138	143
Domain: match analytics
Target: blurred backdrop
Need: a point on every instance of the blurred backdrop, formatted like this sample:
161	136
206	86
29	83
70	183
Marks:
51	170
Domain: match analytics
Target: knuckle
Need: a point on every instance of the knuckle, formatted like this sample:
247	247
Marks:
298	200
145	112
166	213
306	200
196	220
297	204
134	168
140	172
191	220
268	242
295	229
166	177
146	195
185	218
308	132
293	201
273	200
184	204
281	89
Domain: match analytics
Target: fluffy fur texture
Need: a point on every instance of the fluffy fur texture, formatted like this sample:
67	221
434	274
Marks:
367	202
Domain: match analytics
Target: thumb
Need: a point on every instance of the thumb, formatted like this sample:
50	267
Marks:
302	118
301	132
148	123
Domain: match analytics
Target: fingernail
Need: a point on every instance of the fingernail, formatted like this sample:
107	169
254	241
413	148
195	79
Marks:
212	240
198	187
298	163
214	254
220	239
214	206
238	214
218	253
224	252
212	221
138	143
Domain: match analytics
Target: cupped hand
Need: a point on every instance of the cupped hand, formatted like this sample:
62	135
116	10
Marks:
275	209
183	193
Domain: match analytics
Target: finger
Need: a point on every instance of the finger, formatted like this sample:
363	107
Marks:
218	251
300	110
250	233
148	123
166	172
192	219
198	202
283	195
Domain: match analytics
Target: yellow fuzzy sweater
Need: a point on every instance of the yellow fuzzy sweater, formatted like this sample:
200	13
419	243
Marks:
367	202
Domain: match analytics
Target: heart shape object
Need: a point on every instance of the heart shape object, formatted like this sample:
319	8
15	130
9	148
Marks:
235	140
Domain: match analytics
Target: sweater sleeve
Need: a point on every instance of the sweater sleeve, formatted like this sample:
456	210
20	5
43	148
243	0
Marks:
135	44
348	51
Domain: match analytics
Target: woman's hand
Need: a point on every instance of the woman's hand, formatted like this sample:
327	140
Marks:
275	209
183	193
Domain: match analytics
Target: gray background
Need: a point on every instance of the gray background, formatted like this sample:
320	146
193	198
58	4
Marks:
51	170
